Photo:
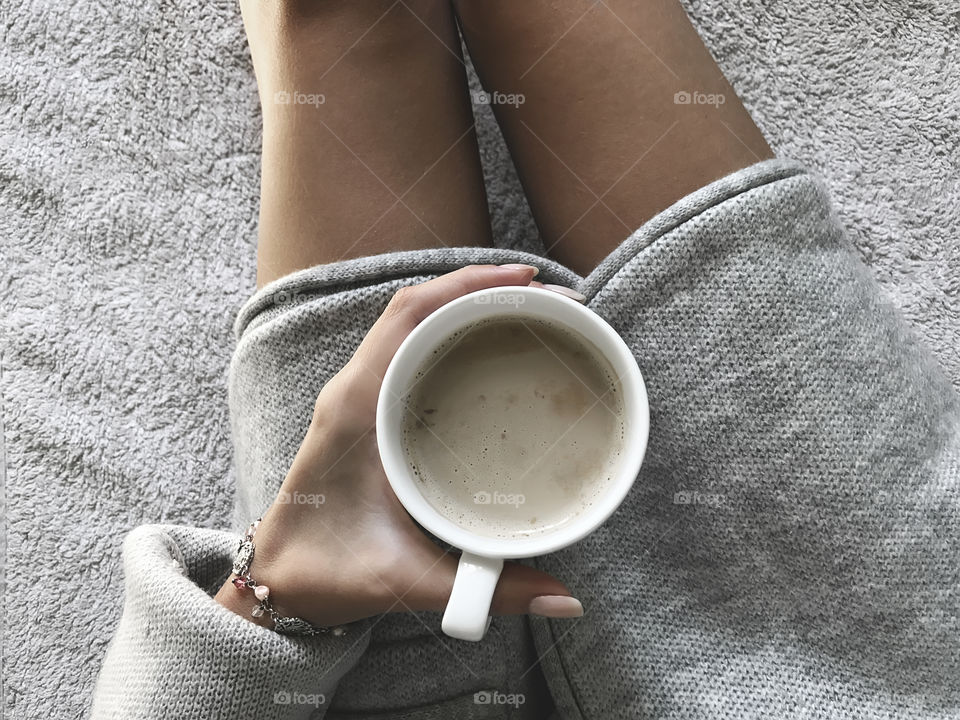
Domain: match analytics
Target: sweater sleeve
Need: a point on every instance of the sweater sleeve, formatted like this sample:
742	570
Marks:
178	653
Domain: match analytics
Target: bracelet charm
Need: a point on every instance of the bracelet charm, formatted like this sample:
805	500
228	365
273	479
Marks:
243	581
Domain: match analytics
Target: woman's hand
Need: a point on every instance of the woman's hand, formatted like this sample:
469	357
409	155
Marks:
347	549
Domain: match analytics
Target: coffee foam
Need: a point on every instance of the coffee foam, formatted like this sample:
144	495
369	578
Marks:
514	426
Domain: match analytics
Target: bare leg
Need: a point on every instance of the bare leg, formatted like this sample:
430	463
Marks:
603	141
368	139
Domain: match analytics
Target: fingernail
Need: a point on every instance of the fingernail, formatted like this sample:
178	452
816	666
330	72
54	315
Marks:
555	606
573	294
521	266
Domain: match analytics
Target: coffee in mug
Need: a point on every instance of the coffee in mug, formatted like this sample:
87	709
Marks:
514	426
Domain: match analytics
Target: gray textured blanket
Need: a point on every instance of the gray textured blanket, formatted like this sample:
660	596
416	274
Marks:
129	143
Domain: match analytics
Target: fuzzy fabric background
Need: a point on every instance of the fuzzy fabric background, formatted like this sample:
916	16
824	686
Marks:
129	158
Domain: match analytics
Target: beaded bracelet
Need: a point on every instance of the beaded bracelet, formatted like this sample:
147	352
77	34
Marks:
283	625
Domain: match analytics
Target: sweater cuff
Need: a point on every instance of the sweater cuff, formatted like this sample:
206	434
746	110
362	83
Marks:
179	653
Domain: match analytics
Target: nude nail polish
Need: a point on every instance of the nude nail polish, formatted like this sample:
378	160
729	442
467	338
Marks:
572	294
555	606
521	266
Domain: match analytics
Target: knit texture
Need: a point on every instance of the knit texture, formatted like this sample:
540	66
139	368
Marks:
178	654
789	549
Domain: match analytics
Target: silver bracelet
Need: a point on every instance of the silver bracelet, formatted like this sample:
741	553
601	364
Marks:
243	581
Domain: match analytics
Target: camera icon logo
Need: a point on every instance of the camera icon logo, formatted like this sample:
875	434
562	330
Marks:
682	98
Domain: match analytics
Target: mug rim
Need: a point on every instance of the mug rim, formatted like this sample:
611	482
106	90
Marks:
435	329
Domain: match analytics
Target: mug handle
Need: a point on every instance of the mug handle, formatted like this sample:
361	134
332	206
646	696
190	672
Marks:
467	616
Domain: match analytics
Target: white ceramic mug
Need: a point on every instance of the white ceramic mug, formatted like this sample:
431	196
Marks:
468	609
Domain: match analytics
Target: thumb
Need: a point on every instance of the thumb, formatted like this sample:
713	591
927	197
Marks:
523	589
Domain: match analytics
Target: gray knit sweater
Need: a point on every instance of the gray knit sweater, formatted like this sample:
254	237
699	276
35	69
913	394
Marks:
790	548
